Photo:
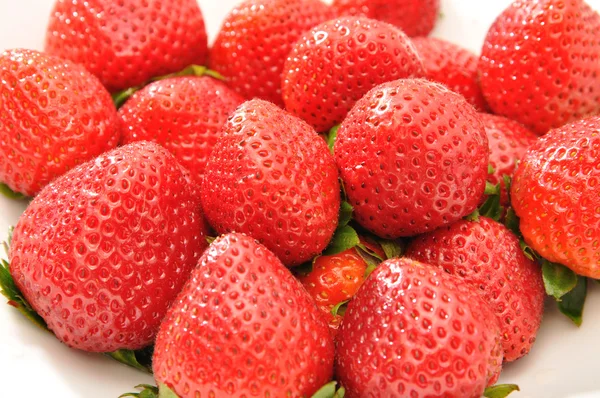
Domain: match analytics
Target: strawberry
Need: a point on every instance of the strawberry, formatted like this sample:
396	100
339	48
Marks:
271	176
127	42
453	66
413	157
255	39
54	115
335	278
414	17
184	114
243	326
338	62
102	251
489	258
415	331
540	64
555	193
509	141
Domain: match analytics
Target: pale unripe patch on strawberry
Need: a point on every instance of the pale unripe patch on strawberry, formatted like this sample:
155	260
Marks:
413	156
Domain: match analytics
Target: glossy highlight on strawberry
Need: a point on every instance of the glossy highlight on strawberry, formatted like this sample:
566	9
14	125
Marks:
54	115
243	326
488	257
255	40
102	251
183	114
272	178
555	193
415	331
413	157
540	63
127	42
339	61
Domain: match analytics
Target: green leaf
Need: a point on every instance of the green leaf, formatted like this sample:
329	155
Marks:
370	257
491	208
473	216
9	290
120	97
345	216
331	137
558	279
512	222
391	248
329	391
572	303
491	189
210	239
491	169
500	390
305	268
527	250
147	391
340	308
130	358
165	392
9	193
344	238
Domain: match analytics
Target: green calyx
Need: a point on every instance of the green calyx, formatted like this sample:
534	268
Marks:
119	98
331	137
140	359
150	391
500	390
330	390
9	193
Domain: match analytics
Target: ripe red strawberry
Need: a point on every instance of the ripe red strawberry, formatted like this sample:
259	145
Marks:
488	257
243	326
453	66
271	176
102	251
184	114
413	156
540	64
415	331
338	62
508	142
414	17
555	193
333	280
127	42
54	115
255	39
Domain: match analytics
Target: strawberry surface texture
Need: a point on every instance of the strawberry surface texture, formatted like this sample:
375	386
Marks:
338	62
183	114
54	115
413	156
555	193
127	42
255	40
102	251
243	326
413	330
540	63
272	177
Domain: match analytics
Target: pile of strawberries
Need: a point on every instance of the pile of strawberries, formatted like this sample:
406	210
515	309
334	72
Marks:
391	210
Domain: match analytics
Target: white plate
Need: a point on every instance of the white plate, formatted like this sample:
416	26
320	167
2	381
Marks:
563	363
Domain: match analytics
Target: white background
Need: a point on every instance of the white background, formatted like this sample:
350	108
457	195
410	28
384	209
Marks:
565	362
